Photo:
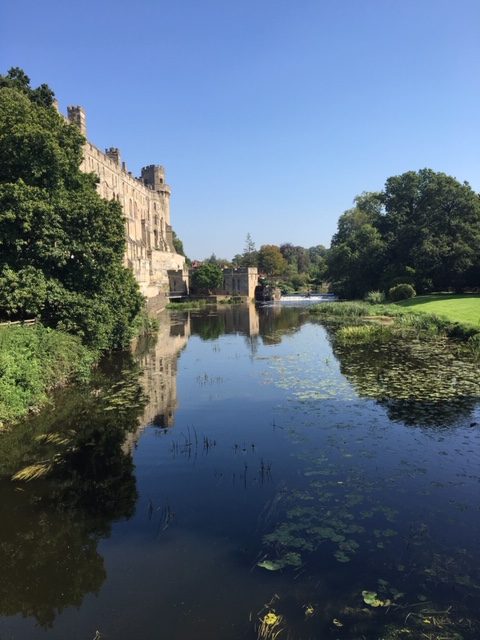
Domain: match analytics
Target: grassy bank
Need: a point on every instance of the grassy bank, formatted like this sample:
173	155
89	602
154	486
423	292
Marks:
455	308
404	318
33	360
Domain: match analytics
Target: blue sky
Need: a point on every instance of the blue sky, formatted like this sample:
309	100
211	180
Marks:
269	116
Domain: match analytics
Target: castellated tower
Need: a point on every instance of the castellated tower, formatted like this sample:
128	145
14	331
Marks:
145	201
77	116
153	176
114	154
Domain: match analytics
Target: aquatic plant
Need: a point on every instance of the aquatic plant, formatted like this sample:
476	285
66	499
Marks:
187	304
344	309
363	333
375	297
473	345
270	626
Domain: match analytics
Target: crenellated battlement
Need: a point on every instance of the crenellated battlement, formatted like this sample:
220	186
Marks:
146	206
77	116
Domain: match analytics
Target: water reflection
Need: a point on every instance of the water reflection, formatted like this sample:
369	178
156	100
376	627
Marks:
419	382
51	527
157	358
345	508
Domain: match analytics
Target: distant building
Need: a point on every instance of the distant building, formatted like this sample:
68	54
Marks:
241	281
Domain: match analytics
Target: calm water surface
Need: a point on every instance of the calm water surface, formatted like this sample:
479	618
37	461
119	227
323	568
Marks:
245	464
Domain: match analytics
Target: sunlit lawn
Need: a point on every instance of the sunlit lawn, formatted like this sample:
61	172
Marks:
458	308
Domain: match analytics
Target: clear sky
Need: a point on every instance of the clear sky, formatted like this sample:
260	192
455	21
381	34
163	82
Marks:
269	116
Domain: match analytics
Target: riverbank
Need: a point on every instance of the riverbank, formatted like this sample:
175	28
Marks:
414	317
456	308
33	361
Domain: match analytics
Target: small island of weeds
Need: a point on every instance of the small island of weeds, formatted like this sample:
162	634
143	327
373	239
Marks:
187	305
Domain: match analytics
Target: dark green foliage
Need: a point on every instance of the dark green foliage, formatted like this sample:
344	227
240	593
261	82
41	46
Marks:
207	278
356	256
401	292
249	257
32	361
17	79
423	229
271	261
61	245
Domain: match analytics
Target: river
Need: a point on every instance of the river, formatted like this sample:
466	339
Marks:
246	475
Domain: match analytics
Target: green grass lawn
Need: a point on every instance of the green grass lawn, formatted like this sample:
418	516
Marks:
458	308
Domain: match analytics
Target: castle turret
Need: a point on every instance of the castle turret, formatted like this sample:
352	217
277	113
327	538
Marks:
78	117
114	154
154	177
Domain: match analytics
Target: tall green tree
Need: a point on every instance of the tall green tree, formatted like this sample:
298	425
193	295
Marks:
423	229
271	261
249	256
432	229
356	256
207	277
61	245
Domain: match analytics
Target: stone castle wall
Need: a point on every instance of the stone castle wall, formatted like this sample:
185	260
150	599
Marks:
241	281
146	206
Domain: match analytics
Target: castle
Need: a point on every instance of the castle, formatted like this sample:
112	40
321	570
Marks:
150	253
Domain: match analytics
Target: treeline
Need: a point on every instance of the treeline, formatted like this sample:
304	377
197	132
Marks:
293	268
423	229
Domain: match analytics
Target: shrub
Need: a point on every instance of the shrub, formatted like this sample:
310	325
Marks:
206	278
34	360
375	297
401	292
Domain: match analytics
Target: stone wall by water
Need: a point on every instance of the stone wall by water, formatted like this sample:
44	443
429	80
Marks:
146	206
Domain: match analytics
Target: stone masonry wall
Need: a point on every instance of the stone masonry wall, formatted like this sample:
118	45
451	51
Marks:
146	206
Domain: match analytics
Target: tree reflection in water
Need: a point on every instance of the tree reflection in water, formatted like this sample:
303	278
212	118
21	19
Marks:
419	381
51	527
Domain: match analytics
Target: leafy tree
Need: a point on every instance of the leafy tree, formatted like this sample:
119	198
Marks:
206	278
271	260
17	79
249	256
356	256
318	264
297	257
432	226
61	245
423	230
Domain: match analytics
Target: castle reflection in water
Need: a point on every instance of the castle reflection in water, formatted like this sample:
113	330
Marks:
158	360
